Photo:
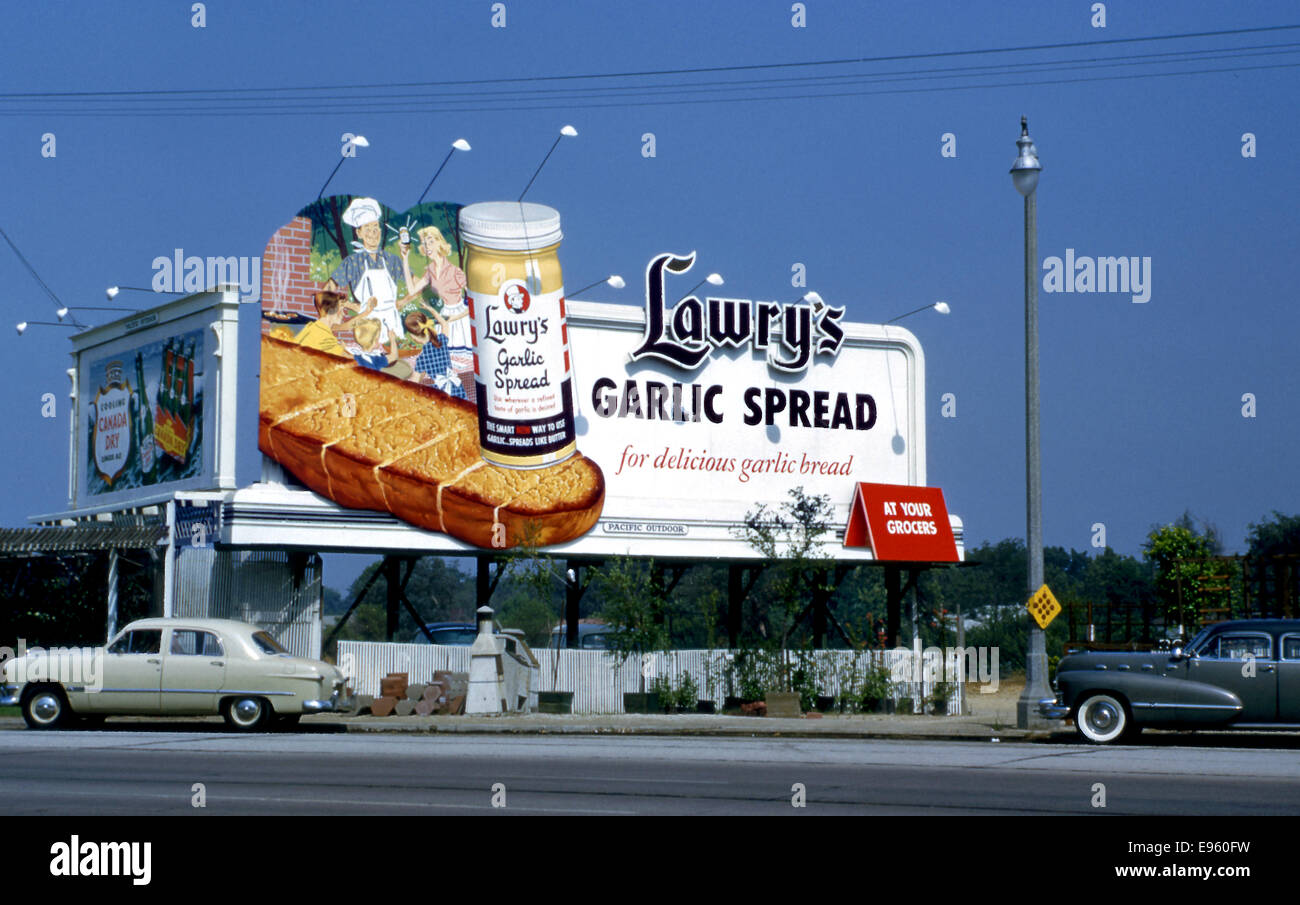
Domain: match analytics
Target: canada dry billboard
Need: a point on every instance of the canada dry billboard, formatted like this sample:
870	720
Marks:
144	415
428	364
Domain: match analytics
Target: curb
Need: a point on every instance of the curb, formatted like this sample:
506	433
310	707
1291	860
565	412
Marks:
744	727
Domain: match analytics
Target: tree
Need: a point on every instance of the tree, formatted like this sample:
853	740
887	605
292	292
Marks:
792	538
633	606
1276	537
1183	563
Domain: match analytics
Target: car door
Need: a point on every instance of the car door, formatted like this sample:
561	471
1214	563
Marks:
1243	663
132	674
1288	678
194	671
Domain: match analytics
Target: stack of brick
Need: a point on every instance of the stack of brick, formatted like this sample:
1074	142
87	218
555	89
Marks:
397	695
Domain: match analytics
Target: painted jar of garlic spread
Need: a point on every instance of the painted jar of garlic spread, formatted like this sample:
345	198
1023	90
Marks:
523	380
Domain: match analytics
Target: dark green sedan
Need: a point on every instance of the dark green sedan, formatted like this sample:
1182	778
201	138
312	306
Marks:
1233	675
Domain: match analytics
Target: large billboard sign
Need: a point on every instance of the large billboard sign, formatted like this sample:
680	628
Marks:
427	364
144	424
690	448
147	404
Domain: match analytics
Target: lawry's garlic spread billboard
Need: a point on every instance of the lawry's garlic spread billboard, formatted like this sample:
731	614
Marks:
699	409
428	364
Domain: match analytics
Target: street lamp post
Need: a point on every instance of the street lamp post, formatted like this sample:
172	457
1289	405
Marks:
1024	174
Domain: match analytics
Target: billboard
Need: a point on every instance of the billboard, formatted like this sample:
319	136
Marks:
426	364
144	423
690	447
147	401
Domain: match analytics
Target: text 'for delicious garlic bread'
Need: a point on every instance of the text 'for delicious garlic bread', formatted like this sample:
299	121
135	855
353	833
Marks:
370	441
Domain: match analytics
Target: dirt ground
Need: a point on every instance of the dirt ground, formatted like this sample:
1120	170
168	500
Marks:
996	706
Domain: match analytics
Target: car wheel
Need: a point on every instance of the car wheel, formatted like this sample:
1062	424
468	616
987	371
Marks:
1102	719
246	714
45	707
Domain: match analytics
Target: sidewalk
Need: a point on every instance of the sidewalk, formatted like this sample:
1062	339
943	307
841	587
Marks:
993	718
968	728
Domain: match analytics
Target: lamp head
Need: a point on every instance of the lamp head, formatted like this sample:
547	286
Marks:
112	292
813	298
460	144
62	313
616	281
1024	172
569	131
714	279
942	307
22	327
360	141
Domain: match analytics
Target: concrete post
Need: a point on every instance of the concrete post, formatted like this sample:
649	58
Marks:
1036	686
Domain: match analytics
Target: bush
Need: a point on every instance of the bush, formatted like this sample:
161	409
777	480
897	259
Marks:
673	697
877	685
751	673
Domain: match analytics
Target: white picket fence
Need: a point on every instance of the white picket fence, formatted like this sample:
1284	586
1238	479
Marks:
599	682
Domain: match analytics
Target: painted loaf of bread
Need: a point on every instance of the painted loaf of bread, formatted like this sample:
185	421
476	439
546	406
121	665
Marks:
367	440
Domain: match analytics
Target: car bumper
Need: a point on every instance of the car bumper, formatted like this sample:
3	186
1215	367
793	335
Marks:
333	704
1053	709
9	696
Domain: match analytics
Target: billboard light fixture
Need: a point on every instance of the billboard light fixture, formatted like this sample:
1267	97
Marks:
713	279
566	132
941	307
358	141
613	280
23	325
459	144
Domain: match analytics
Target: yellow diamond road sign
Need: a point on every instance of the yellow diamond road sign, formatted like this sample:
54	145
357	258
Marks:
1043	606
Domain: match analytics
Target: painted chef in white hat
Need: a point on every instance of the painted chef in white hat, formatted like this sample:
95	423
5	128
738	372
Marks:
370	273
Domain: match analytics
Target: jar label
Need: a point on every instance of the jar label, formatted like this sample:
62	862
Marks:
522	375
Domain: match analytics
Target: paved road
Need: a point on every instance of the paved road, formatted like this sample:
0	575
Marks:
114	772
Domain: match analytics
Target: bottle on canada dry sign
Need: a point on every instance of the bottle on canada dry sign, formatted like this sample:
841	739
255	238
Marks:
522	368
145	442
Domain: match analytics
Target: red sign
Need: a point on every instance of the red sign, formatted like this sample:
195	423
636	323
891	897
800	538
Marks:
901	523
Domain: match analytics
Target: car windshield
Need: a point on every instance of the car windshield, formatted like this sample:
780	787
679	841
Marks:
1195	644
267	645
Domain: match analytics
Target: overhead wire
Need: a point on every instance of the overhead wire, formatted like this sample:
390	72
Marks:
308	100
747	67
36	276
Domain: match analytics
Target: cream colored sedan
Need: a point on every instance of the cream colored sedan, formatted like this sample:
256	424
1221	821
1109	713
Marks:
172	667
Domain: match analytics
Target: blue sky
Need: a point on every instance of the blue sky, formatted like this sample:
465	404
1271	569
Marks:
1142	403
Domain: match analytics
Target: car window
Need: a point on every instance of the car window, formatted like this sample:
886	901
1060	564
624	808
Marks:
1291	647
1198	644
1239	647
140	641
196	643
460	637
266	644
594	642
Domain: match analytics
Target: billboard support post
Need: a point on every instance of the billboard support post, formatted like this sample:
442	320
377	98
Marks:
169	563
893	603
573	589
485	581
112	592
